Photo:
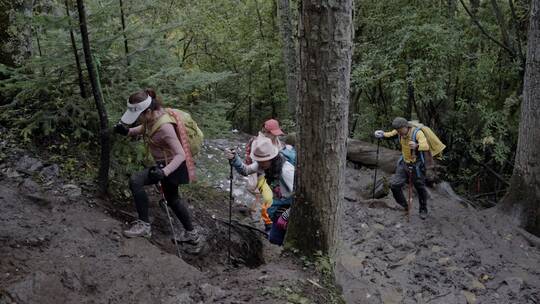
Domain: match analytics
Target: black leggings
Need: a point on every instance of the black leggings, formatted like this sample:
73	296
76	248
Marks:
170	188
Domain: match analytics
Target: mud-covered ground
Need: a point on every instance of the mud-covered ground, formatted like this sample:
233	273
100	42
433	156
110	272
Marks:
457	255
61	244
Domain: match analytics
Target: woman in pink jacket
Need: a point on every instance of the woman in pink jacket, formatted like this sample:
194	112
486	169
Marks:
170	169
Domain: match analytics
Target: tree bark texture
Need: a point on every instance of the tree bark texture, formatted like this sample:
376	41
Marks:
522	200
289	52
103	177
326	35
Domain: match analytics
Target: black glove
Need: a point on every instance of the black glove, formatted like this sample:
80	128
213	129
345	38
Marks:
121	129
156	174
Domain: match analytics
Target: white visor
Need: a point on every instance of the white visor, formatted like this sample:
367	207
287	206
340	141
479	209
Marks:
134	110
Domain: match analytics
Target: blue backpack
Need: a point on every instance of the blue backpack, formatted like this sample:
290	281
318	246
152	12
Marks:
290	154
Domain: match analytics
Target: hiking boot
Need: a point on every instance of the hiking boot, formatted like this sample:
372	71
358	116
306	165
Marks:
191	237
139	228
423	214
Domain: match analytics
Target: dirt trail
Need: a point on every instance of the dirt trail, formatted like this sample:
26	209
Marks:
60	244
457	255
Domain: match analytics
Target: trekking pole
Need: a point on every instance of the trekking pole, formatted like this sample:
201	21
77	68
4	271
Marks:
376	166
409	203
165	204
231	198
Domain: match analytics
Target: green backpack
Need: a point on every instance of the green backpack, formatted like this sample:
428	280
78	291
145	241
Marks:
195	135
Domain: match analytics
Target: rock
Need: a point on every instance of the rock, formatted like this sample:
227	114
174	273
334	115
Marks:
182	298
400	242
391	296
514	283
378	226
406	260
211	292
10	173
50	171
451	298
352	263
436	248
72	191
444	261
471	297
29	186
476	285
382	188
28	164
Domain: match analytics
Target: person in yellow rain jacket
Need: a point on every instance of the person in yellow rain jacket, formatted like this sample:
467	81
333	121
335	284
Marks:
411	166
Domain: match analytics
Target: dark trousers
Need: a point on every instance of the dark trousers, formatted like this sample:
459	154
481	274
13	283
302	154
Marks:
170	188
401	178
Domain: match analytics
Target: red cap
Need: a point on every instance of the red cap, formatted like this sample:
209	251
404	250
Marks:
272	126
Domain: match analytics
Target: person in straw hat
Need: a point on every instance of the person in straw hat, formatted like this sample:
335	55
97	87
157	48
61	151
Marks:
278	181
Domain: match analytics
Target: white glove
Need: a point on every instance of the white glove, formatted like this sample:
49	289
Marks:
379	134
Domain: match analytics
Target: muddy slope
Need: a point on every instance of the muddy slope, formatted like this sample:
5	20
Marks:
457	255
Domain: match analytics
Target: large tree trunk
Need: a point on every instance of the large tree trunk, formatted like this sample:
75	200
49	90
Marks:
104	137
82	87
289	52
365	153
522	200
326	33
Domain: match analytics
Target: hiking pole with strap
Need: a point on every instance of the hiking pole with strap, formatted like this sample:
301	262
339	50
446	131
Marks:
166	206
376	166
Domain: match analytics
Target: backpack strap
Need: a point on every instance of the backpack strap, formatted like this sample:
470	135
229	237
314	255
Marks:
249	161
416	141
147	136
184	140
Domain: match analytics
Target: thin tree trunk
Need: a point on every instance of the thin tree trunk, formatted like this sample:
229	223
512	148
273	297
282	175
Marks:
123	21
474	19
82	86
522	201
38	43
103	177
289	52
502	25
326	35
410	99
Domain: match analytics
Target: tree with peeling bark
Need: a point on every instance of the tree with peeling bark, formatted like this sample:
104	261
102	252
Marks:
326	33
103	175
522	201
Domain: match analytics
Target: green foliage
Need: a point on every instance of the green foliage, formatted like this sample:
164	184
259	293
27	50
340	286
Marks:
464	86
222	62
